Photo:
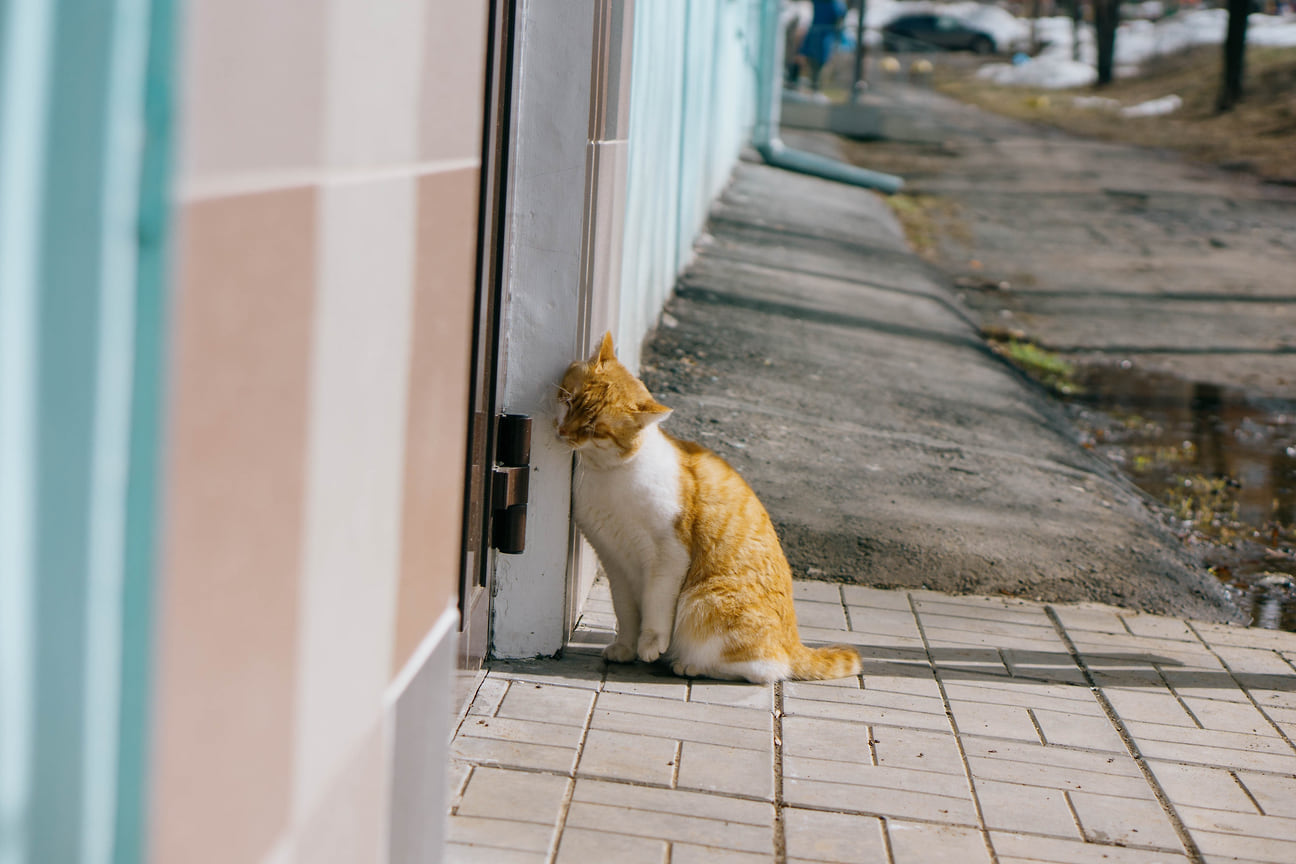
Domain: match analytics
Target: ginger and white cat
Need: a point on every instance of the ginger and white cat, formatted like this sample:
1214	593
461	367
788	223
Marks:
696	570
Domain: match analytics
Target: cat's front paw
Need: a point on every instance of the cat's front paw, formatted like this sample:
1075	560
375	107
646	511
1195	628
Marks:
652	644
619	652
685	671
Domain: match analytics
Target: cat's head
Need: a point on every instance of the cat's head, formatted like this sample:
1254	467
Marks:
602	407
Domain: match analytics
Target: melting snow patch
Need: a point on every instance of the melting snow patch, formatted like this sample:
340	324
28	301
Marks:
1098	102
1048	71
1154	107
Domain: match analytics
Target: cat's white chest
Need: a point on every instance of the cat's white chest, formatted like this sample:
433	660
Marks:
627	509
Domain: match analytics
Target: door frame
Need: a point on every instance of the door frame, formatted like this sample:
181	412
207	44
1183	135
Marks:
477	557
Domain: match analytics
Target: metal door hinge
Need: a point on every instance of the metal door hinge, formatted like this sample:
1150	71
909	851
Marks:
510	483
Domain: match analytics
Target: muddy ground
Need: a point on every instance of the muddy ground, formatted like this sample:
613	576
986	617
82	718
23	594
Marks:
838	372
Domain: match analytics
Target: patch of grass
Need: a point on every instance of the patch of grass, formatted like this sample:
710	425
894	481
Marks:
1044	366
924	219
1258	135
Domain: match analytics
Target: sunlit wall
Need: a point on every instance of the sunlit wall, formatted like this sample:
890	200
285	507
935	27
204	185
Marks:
691	110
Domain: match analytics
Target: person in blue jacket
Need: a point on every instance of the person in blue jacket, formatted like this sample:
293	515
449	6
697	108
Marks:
819	40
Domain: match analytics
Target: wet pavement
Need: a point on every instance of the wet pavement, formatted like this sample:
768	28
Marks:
1223	463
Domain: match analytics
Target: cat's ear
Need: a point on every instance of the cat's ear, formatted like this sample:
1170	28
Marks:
605	353
652	411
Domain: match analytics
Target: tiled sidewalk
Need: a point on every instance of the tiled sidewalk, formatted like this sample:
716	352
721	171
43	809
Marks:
981	730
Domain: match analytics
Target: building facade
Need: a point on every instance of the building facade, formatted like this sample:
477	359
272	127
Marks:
269	274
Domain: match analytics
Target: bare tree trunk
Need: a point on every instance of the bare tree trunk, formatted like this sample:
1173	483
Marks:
1234	55
1035	16
1077	18
1106	18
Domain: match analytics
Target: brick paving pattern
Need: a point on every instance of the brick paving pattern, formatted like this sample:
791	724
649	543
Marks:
981	729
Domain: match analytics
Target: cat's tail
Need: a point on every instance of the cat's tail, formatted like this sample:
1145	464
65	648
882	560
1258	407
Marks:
817	664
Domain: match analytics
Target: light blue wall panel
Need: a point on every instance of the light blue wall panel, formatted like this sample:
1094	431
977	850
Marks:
74	411
691	112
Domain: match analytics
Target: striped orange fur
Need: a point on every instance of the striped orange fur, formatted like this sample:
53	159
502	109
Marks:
696	569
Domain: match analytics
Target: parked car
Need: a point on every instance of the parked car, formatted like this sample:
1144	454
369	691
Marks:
935	33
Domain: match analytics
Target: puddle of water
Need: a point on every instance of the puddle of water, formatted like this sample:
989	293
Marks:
1224	464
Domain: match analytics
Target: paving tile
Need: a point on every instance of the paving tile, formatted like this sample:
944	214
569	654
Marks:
582	671
588	641
876	776
1065	729
458	853
1158	627
813	835
982	661
1097	619
867	706
581	846
1207	684
683	730
1033	627
999	721
1218	635
622	756
500	833
824	615
867	643
924	751
1213	747
489	693
744	718
996	690
1124	821
826	739
1242	824
1228	846
923	684
674	801
1012	847
1151	705
712	768
895	747
513	754
865	713
687	853
521	731
1254	661
1198	786
916	843
816	592
1229	716
526	797
737	693
645	680
881	623
875	598
964	646
671	826
1053	767
1014	807
981	608
456	778
567	706
1275	694
1042	670
1276	793
879	801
